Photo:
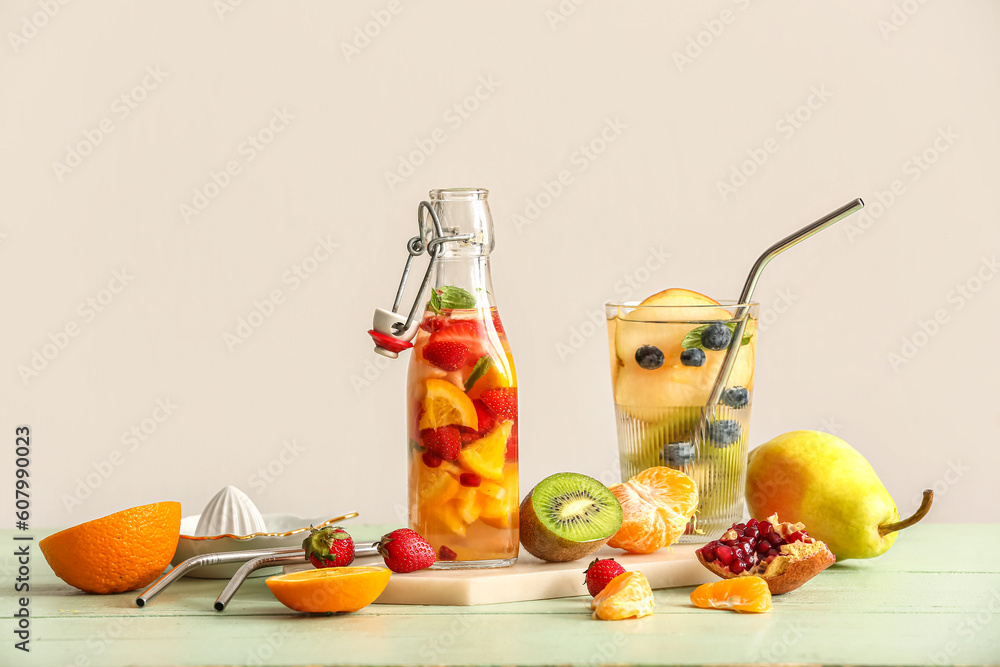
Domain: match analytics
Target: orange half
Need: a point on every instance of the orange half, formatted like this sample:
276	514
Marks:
117	553
329	589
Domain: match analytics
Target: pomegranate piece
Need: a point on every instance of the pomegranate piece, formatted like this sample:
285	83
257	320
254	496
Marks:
782	554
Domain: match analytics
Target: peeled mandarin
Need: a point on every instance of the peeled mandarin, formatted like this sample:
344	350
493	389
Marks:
657	504
626	596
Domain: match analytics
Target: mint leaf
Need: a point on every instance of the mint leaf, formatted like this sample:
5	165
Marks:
693	337
478	371
434	304
456	297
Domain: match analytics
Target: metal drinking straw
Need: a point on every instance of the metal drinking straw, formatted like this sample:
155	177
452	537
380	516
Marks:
255	559
742	312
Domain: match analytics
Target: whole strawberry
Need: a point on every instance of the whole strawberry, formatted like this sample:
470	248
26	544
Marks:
405	551
600	572
329	547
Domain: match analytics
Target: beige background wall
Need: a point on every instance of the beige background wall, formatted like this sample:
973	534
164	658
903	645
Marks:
206	155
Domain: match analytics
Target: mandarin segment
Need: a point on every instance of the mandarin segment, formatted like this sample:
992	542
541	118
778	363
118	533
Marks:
657	504
117	553
626	596
743	594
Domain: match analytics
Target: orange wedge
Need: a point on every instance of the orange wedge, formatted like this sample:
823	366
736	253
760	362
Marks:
329	589
487	455
447	405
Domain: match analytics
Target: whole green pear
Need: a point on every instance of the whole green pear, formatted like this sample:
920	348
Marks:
822	481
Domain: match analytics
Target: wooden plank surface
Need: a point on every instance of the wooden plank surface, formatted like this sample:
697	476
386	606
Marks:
922	603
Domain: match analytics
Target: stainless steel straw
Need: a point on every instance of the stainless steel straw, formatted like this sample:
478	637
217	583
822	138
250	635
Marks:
207	559
255	559
742	313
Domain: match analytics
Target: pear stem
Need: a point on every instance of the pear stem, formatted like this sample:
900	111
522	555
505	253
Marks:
925	507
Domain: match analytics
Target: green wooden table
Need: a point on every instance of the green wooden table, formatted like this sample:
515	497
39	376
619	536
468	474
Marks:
933	599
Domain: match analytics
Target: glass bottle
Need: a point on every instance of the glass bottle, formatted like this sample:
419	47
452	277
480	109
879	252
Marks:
462	399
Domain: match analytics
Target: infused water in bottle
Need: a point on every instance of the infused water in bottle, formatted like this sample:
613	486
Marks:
461	396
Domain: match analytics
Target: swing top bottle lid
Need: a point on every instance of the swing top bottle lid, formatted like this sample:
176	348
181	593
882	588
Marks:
462	211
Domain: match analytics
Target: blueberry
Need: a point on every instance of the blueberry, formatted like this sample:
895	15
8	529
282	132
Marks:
724	432
678	454
693	357
649	357
736	397
716	337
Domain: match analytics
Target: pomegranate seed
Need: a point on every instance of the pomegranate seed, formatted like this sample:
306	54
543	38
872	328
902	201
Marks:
763	546
739	532
751	532
773	552
729	543
724	554
736	567
470	479
752	522
795	537
431	459
446	554
765	527
739	526
769	559
708	553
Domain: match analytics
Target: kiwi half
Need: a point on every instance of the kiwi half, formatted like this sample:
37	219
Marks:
568	516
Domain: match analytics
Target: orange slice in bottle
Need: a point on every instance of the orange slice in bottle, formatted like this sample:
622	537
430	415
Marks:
740	594
435	486
486	456
447	405
501	503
